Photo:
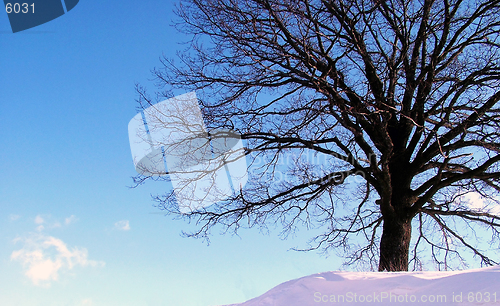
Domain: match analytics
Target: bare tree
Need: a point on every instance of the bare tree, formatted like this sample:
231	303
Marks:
401	98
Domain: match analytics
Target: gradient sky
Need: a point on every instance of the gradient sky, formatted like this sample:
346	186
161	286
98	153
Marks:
72	232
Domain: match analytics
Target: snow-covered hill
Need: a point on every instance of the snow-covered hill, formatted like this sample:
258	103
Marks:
469	287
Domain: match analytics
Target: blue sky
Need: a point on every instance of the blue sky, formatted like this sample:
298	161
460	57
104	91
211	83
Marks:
71	231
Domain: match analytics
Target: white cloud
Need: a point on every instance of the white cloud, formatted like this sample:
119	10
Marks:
45	257
47	222
70	219
122	225
13	217
86	302
476	202
39	220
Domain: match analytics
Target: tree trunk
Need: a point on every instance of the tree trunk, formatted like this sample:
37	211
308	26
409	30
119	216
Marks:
395	245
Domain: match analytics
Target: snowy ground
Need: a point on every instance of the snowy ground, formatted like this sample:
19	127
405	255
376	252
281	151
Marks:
469	287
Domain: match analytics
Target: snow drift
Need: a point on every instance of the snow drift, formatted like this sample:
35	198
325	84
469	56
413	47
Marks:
468	287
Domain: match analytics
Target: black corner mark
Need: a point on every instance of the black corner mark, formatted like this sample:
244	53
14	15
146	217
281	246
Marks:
26	14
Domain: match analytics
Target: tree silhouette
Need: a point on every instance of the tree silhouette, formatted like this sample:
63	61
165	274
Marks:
400	98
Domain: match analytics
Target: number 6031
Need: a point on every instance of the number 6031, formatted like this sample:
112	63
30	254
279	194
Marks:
19	8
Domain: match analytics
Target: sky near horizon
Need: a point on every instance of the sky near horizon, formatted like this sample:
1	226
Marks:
72	231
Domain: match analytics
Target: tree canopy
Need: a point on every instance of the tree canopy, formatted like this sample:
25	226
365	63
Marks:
401	98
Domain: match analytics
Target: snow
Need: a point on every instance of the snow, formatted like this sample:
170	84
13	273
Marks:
468	287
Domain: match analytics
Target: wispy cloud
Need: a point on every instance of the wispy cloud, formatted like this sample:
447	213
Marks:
70	219
476	202
47	222
39	220
86	302
44	258
122	225
13	217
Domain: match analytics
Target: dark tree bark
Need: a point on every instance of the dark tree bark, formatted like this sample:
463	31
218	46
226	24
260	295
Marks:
400	97
395	245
